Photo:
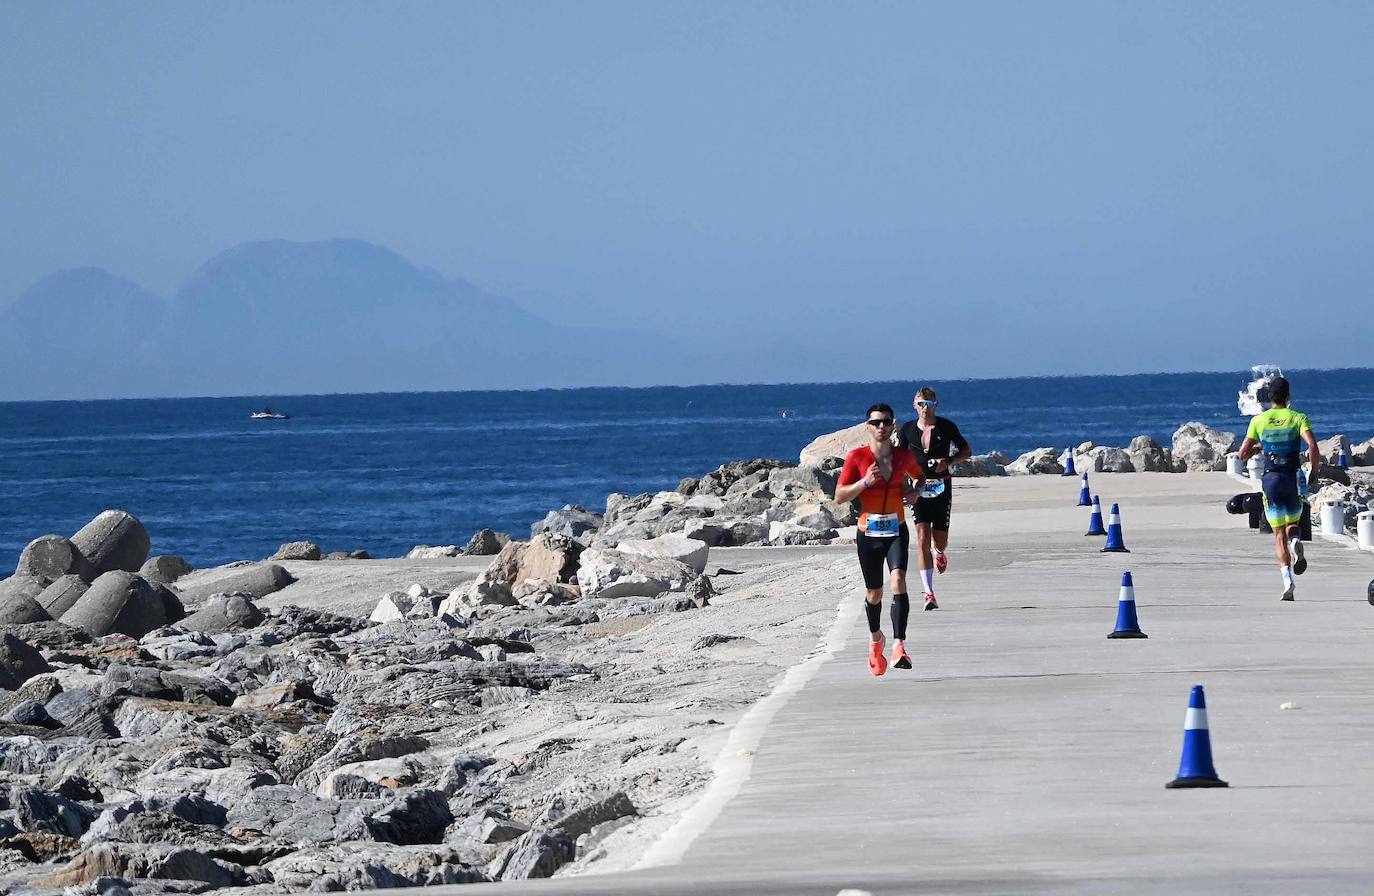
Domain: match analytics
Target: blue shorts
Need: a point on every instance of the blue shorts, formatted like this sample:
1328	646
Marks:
1282	503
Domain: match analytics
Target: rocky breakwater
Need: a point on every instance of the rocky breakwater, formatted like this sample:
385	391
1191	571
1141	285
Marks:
161	741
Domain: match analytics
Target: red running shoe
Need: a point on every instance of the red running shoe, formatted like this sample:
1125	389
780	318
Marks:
877	663
930	602
941	561
900	658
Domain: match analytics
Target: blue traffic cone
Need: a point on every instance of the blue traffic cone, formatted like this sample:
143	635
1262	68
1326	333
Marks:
1095	519
1068	467
1341	460
1085	498
1195	769
1114	540
1127	626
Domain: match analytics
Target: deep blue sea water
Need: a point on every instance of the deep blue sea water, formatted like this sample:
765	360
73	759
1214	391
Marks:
385	472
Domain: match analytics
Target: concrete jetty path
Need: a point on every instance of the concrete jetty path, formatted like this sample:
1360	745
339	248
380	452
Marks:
1027	753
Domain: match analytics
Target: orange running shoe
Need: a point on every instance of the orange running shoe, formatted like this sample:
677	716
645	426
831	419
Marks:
900	659
941	561
877	663
930	602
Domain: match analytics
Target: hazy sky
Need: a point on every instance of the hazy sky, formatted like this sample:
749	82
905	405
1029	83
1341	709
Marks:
1030	187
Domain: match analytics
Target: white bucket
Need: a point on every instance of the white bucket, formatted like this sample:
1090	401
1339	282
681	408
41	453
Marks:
1256	467
1233	465
1333	518
1364	528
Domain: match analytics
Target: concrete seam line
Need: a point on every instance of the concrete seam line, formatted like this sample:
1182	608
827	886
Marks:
735	761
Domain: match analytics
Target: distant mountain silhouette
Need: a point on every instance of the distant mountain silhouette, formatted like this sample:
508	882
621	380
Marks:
284	317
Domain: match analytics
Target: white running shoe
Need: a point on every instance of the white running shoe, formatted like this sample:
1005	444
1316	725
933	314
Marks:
1299	561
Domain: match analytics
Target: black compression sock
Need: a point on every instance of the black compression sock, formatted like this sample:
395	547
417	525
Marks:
875	615
901	611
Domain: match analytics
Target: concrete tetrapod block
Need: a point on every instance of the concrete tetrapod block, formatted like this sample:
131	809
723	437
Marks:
113	540
225	613
164	569
62	595
51	557
257	581
119	602
19	600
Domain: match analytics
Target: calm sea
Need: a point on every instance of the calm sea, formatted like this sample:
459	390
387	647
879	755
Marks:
386	472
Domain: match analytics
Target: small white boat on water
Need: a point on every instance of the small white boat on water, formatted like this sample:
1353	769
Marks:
1254	398
268	414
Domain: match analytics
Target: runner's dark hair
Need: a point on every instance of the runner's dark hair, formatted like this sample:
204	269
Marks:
1279	390
884	408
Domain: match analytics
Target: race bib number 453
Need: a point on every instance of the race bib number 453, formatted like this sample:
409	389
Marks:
882	525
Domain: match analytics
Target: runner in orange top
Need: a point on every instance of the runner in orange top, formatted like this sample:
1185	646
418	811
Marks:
877	475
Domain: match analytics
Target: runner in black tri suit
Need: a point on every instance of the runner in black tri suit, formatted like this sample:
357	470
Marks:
937	443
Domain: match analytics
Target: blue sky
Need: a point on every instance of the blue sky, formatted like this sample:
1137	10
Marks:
994	188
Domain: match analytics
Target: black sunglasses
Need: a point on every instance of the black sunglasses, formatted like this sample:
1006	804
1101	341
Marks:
883	421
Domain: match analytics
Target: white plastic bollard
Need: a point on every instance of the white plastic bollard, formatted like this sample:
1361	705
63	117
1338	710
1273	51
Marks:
1333	518
1256	467
1364	529
1233	465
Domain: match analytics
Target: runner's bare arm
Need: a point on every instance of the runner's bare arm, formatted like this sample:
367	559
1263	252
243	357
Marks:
1314	455
1248	448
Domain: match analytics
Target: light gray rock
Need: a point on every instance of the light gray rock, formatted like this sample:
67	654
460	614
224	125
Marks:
1084	461
114	540
1041	461
38	689
51	557
795	532
572	521
297	550
1110	460
164	569
257	581
225	613
535	854
581	821
1148	456
1362	454
426	552
834	445
612	574
62	595
394	606
980	465
1332	448
119	602
1198	447
690	552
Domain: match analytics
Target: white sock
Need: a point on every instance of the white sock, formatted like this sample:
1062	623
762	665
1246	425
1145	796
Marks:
1288	575
928	580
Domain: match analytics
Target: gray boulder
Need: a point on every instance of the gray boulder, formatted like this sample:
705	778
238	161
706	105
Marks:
1110	460
114	540
609	574
485	543
258	581
1198	447
581	821
38	810
1148	456
1041	461
417	816
164	569
52	556
119	602
536	854
19	600
62	595
572	521
1362	455
32	713
19	660
225	613
994	464
297	550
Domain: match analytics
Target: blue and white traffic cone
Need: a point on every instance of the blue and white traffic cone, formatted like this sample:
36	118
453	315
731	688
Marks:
1068	466
1195	769
1095	519
1341	460
1085	498
1127	626
1114	540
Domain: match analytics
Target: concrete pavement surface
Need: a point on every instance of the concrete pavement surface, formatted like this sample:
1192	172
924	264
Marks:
1027	753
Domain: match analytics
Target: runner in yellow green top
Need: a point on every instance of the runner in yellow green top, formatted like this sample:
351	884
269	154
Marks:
1279	432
